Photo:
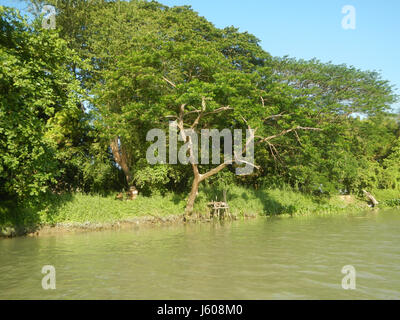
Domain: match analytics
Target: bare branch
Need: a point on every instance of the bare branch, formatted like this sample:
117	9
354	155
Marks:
203	108
252	134
272	148
211	112
286	132
276	116
215	170
170	82
297	137
246	162
180	122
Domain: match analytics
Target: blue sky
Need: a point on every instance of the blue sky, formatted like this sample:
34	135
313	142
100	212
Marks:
312	28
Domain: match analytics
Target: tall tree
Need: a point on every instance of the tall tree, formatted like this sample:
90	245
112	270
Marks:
152	64
36	87
179	66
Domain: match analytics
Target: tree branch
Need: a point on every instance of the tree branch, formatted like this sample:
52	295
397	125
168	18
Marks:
284	132
215	170
170	82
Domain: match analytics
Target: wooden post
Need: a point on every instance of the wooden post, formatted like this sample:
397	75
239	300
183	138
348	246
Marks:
228	213
219	208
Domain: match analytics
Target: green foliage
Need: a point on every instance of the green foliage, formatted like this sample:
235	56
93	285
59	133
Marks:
392	203
152	179
116	69
36	87
391	168
87	210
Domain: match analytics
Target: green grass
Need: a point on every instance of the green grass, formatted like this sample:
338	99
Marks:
387	198
94	208
270	202
82	208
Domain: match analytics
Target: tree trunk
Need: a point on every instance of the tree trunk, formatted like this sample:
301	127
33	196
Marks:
192	196
371	198
121	158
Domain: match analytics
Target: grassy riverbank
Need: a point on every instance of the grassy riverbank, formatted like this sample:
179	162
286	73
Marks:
88	210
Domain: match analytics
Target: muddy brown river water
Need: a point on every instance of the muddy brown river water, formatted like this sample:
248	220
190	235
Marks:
276	258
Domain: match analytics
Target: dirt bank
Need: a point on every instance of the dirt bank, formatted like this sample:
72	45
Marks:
147	221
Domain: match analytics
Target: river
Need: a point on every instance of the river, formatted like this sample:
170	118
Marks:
264	258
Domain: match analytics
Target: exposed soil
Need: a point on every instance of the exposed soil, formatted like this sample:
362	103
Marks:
147	221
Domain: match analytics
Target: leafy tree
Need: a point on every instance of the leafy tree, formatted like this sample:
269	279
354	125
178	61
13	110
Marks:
151	64
391	165
37	88
176	65
335	158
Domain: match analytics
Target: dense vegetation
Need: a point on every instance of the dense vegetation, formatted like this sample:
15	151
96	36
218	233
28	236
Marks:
77	102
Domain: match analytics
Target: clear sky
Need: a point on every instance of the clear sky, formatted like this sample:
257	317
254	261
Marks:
312	28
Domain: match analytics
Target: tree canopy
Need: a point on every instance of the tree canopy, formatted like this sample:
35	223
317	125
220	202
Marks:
38	91
139	65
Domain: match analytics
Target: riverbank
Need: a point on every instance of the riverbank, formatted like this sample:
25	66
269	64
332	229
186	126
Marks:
81	212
